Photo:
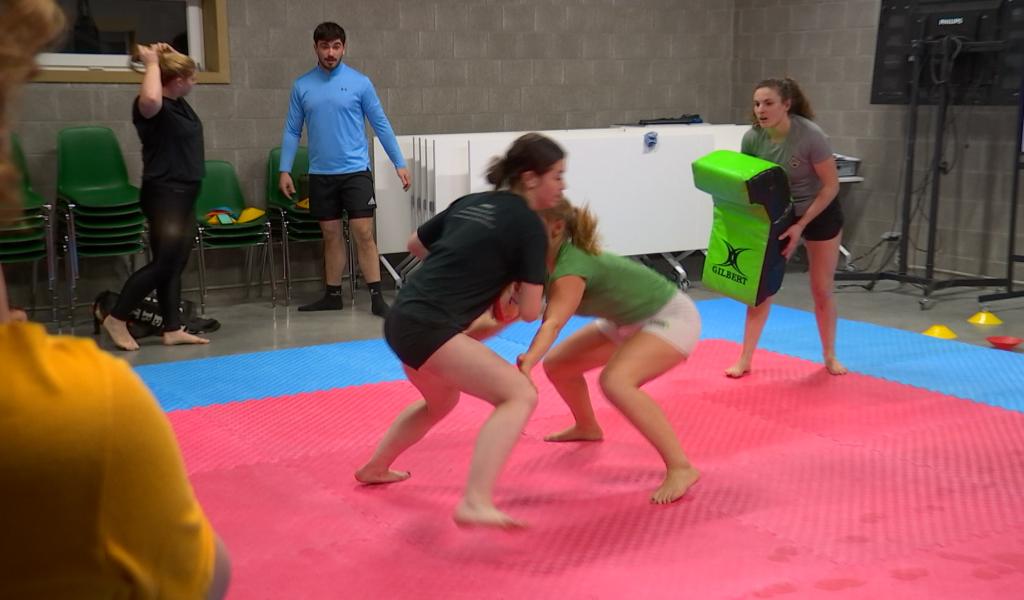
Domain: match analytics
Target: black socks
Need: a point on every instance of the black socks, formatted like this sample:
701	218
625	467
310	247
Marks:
377	304
331	301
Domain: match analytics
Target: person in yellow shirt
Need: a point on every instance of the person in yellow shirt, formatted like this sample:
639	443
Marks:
95	501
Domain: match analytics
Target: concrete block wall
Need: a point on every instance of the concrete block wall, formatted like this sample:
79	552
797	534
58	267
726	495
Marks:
438	66
829	48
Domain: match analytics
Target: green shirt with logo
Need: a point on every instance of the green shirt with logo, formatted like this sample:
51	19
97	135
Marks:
618	289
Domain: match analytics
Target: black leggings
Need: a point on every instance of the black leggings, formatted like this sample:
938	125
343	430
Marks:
169	208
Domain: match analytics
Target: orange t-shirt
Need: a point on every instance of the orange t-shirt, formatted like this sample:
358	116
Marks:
94	498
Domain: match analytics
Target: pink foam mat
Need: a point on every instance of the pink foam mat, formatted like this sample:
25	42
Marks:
813	487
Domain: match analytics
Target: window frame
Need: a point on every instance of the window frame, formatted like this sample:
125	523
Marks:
216	69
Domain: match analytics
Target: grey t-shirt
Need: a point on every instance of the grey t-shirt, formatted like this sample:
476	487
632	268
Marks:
805	145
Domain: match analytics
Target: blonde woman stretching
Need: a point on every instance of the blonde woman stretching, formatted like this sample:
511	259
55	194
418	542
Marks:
172	169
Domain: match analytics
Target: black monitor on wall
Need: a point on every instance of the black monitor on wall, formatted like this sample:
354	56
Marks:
977	46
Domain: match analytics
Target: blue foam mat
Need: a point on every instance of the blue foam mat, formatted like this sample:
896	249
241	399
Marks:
522	333
205	381
950	367
991	376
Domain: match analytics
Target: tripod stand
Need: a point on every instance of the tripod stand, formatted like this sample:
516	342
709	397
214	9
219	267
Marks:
941	50
1012	256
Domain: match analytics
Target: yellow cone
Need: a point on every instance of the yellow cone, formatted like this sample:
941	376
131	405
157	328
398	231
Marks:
250	214
985	318
940	331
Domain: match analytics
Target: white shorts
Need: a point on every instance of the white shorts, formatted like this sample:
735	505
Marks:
678	323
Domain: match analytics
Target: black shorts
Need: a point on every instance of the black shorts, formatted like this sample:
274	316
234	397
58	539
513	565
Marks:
415	341
827	225
332	195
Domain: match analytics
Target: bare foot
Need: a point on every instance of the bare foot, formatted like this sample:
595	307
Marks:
372	476
484	516
576	434
676	482
174	338
118	332
835	367
738	370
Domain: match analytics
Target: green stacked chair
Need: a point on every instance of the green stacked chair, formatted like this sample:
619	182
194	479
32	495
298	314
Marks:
101	209
29	237
220	189
293	222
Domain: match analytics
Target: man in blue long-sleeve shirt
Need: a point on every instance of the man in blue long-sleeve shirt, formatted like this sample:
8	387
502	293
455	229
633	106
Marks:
333	100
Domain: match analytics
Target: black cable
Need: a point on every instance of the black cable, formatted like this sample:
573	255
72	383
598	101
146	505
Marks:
919	191
951	123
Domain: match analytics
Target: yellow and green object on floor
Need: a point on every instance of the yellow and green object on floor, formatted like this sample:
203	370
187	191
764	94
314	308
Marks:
224	216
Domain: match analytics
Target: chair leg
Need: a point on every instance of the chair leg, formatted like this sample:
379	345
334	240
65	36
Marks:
202	274
69	279
248	271
51	261
352	262
72	258
286	259
262	270
260	266
273	270
35	284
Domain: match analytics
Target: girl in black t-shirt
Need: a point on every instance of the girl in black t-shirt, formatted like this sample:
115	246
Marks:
172	168
471	251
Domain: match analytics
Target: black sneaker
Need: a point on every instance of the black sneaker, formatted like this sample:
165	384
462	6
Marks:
328	302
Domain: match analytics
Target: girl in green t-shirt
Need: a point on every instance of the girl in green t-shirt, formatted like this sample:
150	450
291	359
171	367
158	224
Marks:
645	327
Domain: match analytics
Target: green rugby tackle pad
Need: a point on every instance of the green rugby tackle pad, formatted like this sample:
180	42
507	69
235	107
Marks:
752	209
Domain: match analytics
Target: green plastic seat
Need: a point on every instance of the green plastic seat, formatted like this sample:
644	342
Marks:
22	235
234	234
132	229
22	256
30	200
128	209
106	197
111	222
35	225
297	215
109	249
234	242
220	188
305	237
300	228
25	223
93	188
91	170
108	238
300	170
23	246
295	224
235	228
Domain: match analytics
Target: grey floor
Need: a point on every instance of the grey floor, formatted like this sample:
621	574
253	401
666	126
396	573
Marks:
254	325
